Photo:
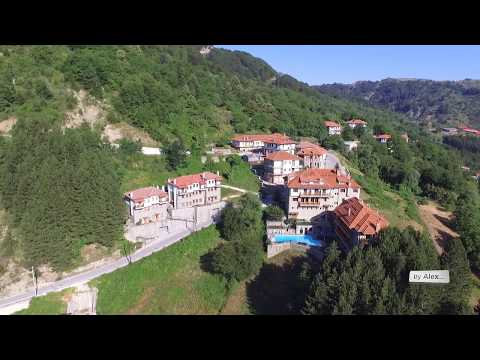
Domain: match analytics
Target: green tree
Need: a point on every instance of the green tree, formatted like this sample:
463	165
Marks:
175	154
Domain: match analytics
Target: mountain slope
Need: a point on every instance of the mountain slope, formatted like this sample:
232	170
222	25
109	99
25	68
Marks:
170	91
455	103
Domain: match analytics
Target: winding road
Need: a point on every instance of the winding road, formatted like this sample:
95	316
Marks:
84	277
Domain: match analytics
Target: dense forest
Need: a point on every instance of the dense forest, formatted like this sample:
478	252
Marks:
62	187
374	281
61	190
444	102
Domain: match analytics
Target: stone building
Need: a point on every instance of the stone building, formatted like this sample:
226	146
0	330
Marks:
194	190
146	205
356	223
333	128
312	155
356	123
278	165
311	192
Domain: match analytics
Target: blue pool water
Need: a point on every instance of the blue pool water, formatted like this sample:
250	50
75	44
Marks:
306	239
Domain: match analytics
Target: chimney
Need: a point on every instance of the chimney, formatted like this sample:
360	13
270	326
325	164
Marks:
349	211
377	226
218	173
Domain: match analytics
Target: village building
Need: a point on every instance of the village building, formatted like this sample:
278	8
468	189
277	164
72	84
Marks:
146	205
448	131
356	223
312	192
383	138
266	143
278	165
279	143
471	131
405	137
248	143
356	123
194	190
333	128
351	145
312	155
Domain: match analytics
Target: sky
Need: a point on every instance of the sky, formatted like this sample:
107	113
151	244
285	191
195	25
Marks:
323	64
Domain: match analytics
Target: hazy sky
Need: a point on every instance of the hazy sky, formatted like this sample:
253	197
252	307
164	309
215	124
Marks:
319	64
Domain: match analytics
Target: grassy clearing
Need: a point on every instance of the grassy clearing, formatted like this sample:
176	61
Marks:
274	290
50	304
400	209
168	282
243	177
228	192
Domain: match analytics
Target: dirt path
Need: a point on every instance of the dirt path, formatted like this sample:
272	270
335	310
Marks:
437	222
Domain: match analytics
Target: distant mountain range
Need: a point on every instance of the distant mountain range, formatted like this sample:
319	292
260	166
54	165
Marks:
455	103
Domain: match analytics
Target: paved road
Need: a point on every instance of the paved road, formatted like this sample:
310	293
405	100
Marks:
88	275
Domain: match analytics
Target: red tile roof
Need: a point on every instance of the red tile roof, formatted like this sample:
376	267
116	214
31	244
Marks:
473	131
200	178
321	179
275	138
141	194
312	151
357	122
331	124
280	156
356	215
383	136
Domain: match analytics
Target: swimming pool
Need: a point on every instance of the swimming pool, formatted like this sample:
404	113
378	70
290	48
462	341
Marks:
305	239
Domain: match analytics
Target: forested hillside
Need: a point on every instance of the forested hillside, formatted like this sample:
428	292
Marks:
62	187
444	102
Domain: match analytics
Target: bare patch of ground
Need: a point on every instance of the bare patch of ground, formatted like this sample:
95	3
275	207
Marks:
7	125
437	222
88	110
82	301
93	252
115	132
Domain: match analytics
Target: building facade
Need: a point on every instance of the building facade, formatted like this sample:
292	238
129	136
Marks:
266	143
356	123
333	128
383	138
350	145
312	155
278	165
194	190
311	192
356	223
146	205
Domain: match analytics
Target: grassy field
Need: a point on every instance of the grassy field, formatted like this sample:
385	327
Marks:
399	209
168	282
243	177
228	192
50	304
273	291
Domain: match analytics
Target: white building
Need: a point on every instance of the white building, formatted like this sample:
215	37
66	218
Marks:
266	143
151	151
278	165
350	145
149	204
194	190
312	155
312	192
333	128
383	138
356	123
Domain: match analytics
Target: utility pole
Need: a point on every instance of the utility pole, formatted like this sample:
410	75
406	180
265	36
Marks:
34	279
